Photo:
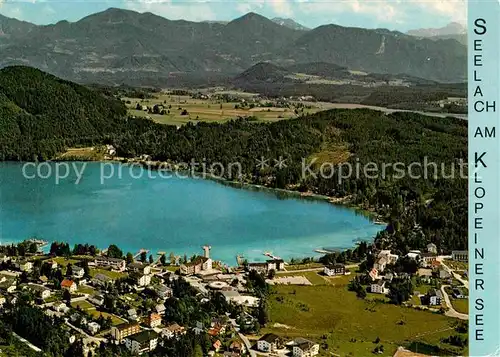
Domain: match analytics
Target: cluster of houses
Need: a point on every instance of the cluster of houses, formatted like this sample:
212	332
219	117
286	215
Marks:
267	266
300	347
429	266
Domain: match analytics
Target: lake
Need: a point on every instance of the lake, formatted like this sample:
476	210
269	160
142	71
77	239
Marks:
137	209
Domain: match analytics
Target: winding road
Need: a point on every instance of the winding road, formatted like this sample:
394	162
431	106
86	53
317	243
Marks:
452	312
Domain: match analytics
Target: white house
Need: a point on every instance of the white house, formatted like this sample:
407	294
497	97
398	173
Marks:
114	263
40	291
139	268
26	266
110	150
275	264
61	307
93	327
414	255
305	348
69	285
163	291
144	341
432	248
379	287
132	315
160	309
77	272
140	279
173	331
97	299
435	297
334	269
460	255
268	343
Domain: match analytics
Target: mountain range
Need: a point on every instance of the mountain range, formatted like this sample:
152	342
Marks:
453	30
122	46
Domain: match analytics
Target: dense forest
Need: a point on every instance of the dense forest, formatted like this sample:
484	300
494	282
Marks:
41	115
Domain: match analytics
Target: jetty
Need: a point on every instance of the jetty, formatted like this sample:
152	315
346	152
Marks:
140	252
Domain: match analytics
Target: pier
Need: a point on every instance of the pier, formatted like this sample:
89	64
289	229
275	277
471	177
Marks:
140	252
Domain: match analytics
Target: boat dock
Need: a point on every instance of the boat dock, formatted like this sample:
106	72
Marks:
140	252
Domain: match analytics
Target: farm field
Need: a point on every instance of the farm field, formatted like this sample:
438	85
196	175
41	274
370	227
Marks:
184	109
348	326
461	305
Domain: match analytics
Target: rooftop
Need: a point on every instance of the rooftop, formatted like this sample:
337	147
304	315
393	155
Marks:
269	337
125	326
67	283
137	265
143	336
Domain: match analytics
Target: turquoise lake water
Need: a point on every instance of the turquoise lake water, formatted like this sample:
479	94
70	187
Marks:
169	214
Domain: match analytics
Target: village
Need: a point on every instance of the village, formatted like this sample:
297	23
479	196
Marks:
76	287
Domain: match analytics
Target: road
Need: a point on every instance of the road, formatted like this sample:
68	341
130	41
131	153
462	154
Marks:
455	275
97	340
328	105
245	340
452	312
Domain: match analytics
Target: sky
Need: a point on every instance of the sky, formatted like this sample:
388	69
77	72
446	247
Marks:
401	15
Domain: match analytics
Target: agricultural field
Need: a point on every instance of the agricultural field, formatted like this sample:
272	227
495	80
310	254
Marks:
183	109
348	326
461	305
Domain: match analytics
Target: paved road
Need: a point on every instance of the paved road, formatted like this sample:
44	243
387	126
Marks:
97	340
245	340
452	312
455	275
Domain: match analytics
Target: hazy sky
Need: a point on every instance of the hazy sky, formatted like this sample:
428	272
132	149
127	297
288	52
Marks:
399	15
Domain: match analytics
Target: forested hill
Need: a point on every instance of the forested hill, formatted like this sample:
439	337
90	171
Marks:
40	115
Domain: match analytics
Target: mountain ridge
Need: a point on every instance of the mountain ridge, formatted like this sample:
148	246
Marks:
152	46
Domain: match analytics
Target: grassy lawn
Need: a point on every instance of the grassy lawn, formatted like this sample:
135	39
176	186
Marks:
112	274
132	299
415	300
340	280
313	277
57	296
84	304
461	305
62	261
350	325
83	289
423	288
87	153
456	265
303	266
115	320
172	268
